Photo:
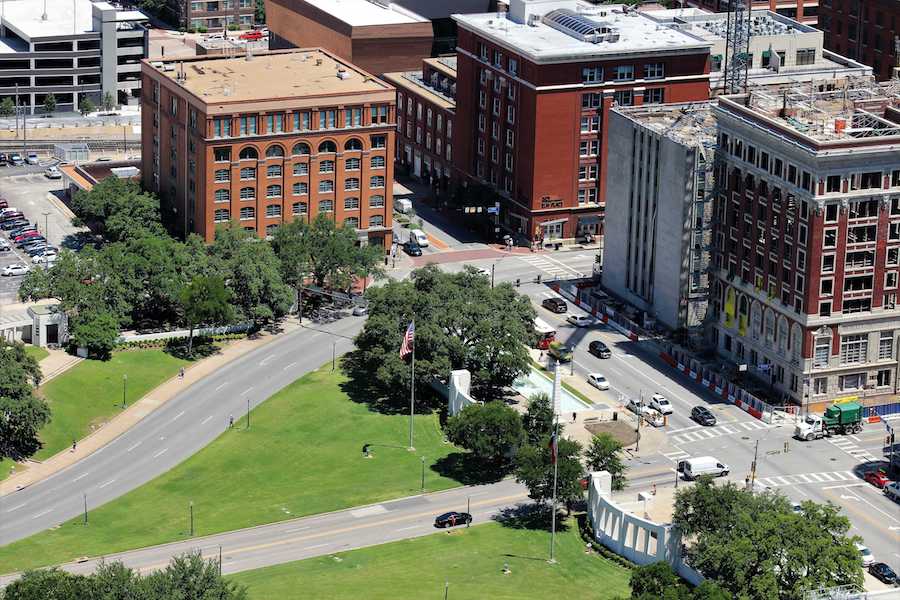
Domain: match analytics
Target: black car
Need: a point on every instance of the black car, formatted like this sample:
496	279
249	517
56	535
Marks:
412	249
451	519
883	573
40	249
599	349
703	415
34	238
13	224
557	305
20	230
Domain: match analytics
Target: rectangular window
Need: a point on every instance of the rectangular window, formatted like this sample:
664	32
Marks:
222	127
512	66
624	73
379	141
806	56
820	386
822	353
884	378
592	74
654	96
301	169
853	381
510	114
327	119
854	349
301	121
654	71
886	345
829	240
352	117
624	97
275	123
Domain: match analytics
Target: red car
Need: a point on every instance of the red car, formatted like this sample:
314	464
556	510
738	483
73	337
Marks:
252	35
877	478
26	235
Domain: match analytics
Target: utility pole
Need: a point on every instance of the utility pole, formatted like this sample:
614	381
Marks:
637	442
492	274
84	495
191	506
423	473
248	413
124	383
753	466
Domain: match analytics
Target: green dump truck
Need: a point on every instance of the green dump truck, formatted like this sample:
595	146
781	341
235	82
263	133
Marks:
838	419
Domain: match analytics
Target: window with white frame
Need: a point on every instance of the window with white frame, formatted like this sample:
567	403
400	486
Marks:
854	348
301	169
512	66
377	162
248	173
352	222
852	381
223	175
510	138
273	191
326	206
352	164
376	221
326	186
822	353
480	146
886	345
508	161
248	193
592	74
351	183
351	203
654	71
326	166
273	210
301	188
298	208
248	212
624	73
376	181
376	201
510	114
222	196
222	215
273	171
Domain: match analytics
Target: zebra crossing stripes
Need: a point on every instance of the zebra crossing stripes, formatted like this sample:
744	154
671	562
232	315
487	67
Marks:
677	455
551	266
847	445
808	478
700	435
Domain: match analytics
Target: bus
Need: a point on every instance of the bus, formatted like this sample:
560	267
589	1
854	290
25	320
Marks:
545	333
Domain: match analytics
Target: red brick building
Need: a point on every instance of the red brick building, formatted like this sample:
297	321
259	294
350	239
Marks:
262	140
805	11
533	91
864	30
212	15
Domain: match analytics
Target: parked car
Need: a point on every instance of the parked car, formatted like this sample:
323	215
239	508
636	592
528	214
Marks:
4	204
4	246
703	416
252	35
412	249
599	349
23	237
53	173
661	403
44	258
418	236
555	305
32	158
360	311
41	248
865	555
451	519
892	491
14	270
650	415
883	573
13	224
11	215
14	233
704	465
877	478
598	381
16	159
560	351
581	320
3	159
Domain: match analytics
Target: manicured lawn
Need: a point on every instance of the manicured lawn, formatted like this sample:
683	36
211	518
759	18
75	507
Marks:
471	560
36	352
90	393
301	456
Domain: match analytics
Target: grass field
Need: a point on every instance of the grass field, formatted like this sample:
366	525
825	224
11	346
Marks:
470	560
36	352
90	393
301	456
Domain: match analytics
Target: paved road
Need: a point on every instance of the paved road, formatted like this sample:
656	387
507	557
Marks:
172	433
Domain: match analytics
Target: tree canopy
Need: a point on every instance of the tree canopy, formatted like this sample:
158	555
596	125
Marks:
534	468
22	414
492	432
119	210
603	455
205	301
538	419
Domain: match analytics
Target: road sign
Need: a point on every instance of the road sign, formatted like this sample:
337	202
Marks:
493	210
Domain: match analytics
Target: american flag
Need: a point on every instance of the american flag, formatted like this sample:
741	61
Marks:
407	346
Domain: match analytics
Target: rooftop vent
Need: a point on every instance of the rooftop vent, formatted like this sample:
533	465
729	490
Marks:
343	73
318	62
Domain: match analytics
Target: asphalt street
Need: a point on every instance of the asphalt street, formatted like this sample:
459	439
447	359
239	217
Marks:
173	432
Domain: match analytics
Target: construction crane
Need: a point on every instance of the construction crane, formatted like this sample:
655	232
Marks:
737	48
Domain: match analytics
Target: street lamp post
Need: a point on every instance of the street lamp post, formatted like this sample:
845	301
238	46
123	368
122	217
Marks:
84	495
248	413
423	473
192	517
124	387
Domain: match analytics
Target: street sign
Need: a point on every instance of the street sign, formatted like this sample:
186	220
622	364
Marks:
493	210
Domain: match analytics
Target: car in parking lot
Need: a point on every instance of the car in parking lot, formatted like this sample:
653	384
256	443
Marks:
451	519
16	159
661	403
32	158
53	173
581	320
40	248
26	236
878	478
865	555
703	415
252	35
3	159
599	349
598	381
360	310
44	258
13	270
5	246
22	229
883	573
892	491
555	305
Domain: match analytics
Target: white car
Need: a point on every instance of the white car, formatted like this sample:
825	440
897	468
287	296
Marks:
865	555
580	320
32	158
649	414
53	173
598	381
14	270
661	403
49	257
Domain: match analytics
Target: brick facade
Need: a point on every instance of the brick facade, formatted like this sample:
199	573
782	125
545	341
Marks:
864	30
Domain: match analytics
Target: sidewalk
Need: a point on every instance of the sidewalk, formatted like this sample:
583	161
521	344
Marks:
38	471
56	363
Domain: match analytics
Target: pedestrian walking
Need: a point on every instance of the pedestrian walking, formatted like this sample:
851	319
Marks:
181	373
74	445
230	421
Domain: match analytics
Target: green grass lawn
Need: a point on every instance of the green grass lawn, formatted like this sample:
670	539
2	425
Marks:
91	392
36	352
301	456
470	560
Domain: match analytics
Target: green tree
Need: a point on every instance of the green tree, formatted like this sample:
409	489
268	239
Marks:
115	581
7	107
604	455
260	13
97	330
50	103
756	547
22	414
189	576
119	210
291	246
657	580
205	301
108	102
86	107
710	590
538	419
461	323
535	469
492	432
47	584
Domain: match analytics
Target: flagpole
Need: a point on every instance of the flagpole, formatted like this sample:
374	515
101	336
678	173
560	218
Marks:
412	391
554	454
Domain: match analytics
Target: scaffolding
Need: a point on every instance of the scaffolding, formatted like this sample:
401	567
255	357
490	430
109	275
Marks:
737	47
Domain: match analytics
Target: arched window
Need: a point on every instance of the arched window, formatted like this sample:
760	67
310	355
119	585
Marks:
376	201
755	321
351	184
300	149
270	229
351	203
298	208
301	169
377	162
223	195
769	325
376	221
300	188
273	210
274	151
376	182
796	342
247	213
352	164
326	206
326	166
782	335
352	222
273	171
222	215
328	146
248	193
352	144
249	153
326	186
273	191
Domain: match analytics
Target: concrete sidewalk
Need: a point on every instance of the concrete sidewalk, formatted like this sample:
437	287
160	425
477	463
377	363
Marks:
33	472
56	363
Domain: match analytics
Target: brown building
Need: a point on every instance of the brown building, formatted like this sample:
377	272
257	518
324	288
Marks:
212	15
533	93
378	37
805	11
265	139
865	30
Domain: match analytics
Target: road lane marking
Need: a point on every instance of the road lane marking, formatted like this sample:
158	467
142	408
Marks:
17	507
296	529
846	485
160	453
293	364
82	476
111	481
176	417
247	391
266	360
684	429
206	420
41	514
408	528
135	446
221	386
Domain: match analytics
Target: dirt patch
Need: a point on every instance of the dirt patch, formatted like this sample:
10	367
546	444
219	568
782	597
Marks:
621	430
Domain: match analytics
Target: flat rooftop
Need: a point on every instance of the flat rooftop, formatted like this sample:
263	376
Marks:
64	17
575	29
268	76
361	13
412	82
690	124
713	26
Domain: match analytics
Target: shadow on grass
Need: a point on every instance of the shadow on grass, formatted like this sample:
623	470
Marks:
466	469
532	516
202	348
360	387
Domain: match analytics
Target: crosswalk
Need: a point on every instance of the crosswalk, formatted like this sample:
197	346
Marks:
846	444
709	433
677	455
836	477
551	266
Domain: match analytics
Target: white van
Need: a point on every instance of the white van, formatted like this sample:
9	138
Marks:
418	237
704	465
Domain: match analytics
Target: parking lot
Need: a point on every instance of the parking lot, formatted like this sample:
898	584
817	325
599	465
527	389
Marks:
26	189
